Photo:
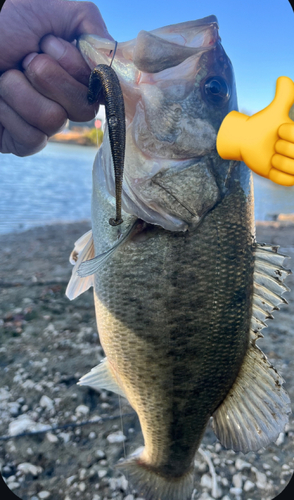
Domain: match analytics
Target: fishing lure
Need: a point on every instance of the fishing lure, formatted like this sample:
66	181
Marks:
104	87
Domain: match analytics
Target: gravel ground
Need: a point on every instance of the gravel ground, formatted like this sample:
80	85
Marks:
48	342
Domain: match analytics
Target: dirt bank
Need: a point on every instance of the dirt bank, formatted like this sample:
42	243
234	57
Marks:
48	342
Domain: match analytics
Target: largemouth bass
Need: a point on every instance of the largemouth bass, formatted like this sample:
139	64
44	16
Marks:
181	287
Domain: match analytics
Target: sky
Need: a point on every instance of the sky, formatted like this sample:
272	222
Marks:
257	35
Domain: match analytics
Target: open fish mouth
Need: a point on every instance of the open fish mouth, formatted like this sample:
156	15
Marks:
178	85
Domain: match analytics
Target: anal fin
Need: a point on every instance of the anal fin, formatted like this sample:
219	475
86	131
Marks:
102	377
83	251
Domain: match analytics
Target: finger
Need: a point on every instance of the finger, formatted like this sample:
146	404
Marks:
84	17
281	178
66	20
284	97
283	164
286	132
285	148
17	136
68	56
35	109
53	82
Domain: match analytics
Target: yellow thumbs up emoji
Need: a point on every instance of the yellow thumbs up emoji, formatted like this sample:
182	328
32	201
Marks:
264	141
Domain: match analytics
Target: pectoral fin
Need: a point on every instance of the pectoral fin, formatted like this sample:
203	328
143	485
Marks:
83	250
92	266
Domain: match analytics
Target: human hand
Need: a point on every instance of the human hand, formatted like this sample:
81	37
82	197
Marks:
264	141
36	102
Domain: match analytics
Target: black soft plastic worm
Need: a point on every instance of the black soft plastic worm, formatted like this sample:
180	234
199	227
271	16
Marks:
104	87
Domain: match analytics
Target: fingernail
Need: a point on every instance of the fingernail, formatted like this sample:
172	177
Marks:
53	47
28	59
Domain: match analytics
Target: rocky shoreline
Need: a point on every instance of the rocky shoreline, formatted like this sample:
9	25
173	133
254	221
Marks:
69	437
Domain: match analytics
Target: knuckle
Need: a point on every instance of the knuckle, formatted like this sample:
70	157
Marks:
56	117
41	67
8	81
90	8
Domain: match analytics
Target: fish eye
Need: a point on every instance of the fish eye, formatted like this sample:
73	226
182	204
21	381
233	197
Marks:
216	90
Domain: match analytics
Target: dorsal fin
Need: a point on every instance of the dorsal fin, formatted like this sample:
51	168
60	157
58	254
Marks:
268	278
256	408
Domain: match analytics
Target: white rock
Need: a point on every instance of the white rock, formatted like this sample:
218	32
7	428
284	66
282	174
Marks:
206	481
241	464
24	423
82	486
43	494
13	408
248	485
51	437
70	480
116	437
65	436
226	497
129	497
95	497
122	483
236	491
117	483
92	435
280	439
28	384
205	496
237	480
99	454
261	479
82	474
102	473
82	410
11	479
28	468
46	402
266	466
13	485
67	498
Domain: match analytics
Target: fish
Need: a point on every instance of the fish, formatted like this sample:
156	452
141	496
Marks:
182	289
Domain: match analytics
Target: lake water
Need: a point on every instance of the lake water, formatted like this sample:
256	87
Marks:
55	186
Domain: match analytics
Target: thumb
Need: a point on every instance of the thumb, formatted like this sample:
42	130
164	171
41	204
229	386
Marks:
284	97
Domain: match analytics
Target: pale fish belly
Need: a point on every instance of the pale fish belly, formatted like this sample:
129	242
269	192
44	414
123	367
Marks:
173	313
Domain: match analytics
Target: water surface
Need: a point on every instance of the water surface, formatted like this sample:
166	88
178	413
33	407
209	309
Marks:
55	186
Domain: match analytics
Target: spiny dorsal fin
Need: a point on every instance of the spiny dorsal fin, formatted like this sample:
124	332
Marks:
83	250
256	408
268	278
